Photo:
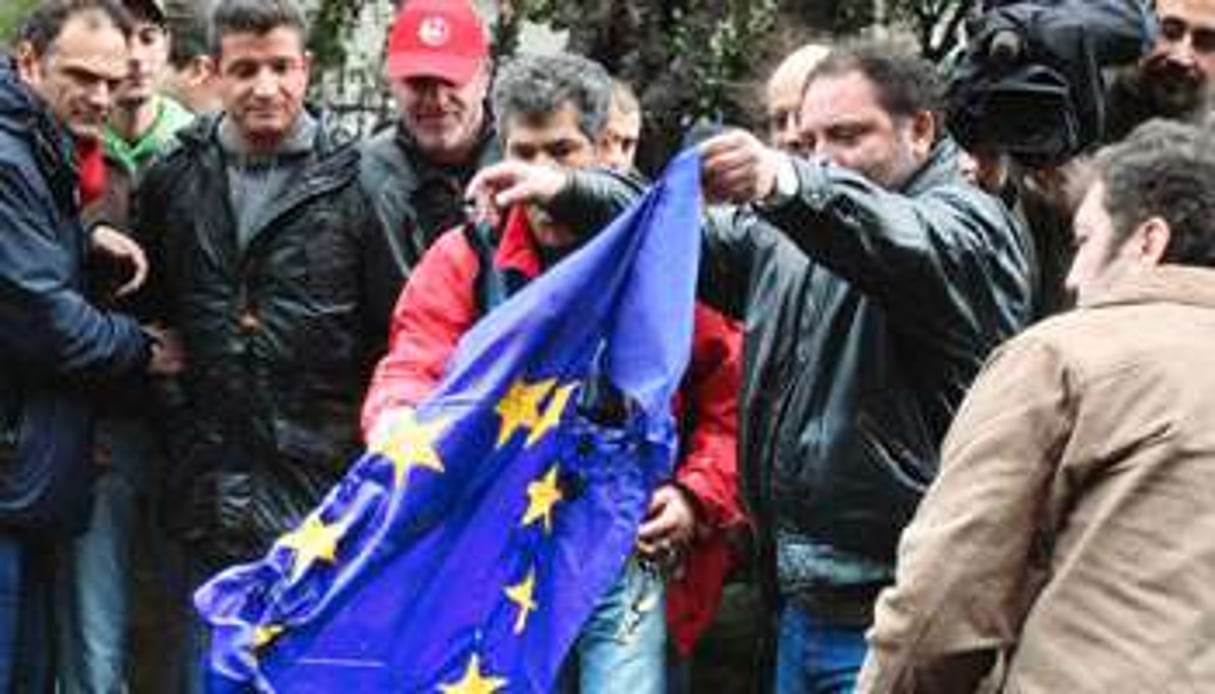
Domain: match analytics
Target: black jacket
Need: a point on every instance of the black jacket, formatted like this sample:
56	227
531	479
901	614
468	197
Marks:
867	313
416	199
54	344
280	337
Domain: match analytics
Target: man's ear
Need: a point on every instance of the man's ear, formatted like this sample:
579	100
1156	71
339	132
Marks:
923	132
202	68
308	65
1153	237
29	63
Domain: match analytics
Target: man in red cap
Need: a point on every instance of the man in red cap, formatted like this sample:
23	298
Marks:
415	171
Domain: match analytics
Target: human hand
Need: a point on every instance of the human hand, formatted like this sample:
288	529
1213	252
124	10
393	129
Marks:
498	187
738	168
386	424
168	352
123	251
669	524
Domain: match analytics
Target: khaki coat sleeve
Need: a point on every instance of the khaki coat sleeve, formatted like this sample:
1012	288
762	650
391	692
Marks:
973	559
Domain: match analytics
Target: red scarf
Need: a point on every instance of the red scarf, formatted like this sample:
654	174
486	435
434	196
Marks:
90	163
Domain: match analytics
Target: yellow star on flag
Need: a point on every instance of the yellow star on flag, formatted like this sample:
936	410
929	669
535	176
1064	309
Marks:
520	407
522	595
312	541
543	495
264	634
474	681
552	413
411	444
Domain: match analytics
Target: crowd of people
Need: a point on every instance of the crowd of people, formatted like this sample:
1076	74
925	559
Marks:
946	403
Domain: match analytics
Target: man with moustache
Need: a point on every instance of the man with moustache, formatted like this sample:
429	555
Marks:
415	171
1174	79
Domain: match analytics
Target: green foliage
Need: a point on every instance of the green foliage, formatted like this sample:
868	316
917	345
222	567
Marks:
933	23
332	28
689	60
11	14
717	54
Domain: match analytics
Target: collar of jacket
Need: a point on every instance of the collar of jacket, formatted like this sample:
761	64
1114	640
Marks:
517	249
26	117
131	155
1173	284
205	130
940	167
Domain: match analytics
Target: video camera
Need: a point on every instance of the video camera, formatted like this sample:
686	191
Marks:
1029	83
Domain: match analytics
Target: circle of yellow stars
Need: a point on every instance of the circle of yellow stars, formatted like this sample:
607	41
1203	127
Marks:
536	408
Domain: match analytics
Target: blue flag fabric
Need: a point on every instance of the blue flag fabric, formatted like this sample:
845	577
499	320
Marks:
464	553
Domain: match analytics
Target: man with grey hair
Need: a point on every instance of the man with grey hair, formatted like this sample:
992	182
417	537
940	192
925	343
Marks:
56	93
438	67
618	143
551	113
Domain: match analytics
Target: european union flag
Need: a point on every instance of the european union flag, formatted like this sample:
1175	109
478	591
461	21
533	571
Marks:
465	552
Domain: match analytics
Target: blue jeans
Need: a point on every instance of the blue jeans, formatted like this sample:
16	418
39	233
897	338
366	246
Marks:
814	657
95	583
25	576
622	647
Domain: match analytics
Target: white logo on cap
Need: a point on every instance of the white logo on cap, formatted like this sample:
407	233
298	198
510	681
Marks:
434	31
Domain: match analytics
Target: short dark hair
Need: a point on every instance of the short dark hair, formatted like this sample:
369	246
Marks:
536	86
43	25
188	40
256	17
906	83
1164	169
145	11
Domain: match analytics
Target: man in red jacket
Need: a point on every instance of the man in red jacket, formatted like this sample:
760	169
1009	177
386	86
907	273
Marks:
551	111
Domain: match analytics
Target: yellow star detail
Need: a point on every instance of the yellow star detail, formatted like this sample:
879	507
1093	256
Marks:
473	681
521	594
552	413
312	541
411	444
520	407
543	495
263	635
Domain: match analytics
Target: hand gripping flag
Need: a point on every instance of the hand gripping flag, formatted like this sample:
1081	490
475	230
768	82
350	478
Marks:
465	552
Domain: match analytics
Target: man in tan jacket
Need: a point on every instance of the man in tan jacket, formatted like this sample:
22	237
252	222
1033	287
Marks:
1068	544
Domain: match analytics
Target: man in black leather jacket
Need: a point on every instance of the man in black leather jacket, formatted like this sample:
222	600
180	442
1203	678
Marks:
416	169
270	262
873	281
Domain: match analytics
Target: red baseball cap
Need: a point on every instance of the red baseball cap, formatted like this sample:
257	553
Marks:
437	38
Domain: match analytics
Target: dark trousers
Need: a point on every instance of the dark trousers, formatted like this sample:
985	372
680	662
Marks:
26	580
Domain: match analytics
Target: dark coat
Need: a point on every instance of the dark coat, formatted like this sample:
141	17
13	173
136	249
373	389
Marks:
280	335
54	344
867	313
417	200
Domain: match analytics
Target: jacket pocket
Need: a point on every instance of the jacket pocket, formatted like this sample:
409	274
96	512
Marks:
902	466
44	462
